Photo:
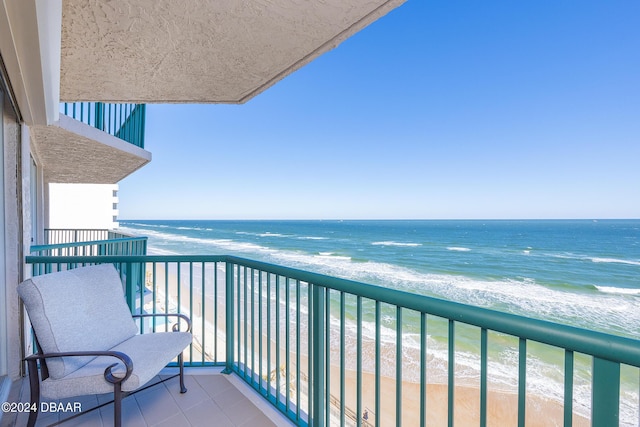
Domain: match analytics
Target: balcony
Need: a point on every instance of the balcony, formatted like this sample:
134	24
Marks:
92	143
328	351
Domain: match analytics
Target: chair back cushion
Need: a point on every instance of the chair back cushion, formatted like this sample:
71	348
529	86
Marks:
82	309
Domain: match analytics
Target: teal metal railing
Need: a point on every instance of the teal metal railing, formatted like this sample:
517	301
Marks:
121	246
325	350
124	121
92	242
54	236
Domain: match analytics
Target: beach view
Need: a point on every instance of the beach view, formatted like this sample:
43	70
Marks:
528	268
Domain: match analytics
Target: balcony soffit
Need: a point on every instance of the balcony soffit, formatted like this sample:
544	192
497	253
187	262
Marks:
198	51
74	152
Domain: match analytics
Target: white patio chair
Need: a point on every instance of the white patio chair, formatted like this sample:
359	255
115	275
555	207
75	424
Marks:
88	341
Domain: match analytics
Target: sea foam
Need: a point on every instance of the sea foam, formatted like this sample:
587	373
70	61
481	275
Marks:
392	243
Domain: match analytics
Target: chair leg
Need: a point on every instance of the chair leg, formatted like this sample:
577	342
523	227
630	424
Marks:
34	386
183	389
117	405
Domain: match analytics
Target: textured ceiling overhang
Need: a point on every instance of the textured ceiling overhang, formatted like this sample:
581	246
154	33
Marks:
198	51
72	152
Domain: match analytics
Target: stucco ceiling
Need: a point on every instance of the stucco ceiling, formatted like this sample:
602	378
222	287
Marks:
198	51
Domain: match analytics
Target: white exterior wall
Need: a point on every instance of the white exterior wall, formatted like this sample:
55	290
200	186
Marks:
83	206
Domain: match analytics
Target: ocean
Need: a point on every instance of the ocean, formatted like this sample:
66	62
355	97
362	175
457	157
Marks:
583	273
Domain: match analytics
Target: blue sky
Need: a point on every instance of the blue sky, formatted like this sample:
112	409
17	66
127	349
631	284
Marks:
439	110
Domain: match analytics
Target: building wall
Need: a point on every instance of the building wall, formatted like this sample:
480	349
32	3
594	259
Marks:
15	143
83	206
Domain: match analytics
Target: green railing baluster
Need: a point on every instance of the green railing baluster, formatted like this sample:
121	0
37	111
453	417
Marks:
451	373
229	359
260	356
99	118
253	326
327	363
423	370
154	296
359	360
568	388
605	407
203	311
484	355
398	366
130	291
342	358
377	364
277	306
317	356
522	382
244	323
287	309
244	306
143	109
191	305
298	401
310	349
238	338
268	325
215	311
179	287
166	293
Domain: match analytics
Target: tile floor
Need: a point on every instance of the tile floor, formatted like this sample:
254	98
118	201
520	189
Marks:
212	399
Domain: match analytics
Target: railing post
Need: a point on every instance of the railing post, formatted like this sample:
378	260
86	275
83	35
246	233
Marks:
605	403
143	109
229	330
317	358
129	286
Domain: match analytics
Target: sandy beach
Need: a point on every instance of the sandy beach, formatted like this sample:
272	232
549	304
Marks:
502	407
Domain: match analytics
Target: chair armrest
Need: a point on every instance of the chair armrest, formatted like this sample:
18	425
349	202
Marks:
108	375
176	327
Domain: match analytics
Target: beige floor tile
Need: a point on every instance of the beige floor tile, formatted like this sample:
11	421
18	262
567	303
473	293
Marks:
230	398
177	420
158	406
195	394
241	412
206	414
211	399
213	384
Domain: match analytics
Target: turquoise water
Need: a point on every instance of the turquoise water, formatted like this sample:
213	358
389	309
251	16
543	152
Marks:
581	273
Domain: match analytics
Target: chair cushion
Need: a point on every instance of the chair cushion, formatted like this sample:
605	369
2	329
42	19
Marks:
148	352
81	309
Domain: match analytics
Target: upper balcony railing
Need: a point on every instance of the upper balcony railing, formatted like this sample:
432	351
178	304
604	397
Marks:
327	351
54	236
124	121
91	242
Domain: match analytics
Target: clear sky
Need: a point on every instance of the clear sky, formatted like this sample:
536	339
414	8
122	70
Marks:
441	109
